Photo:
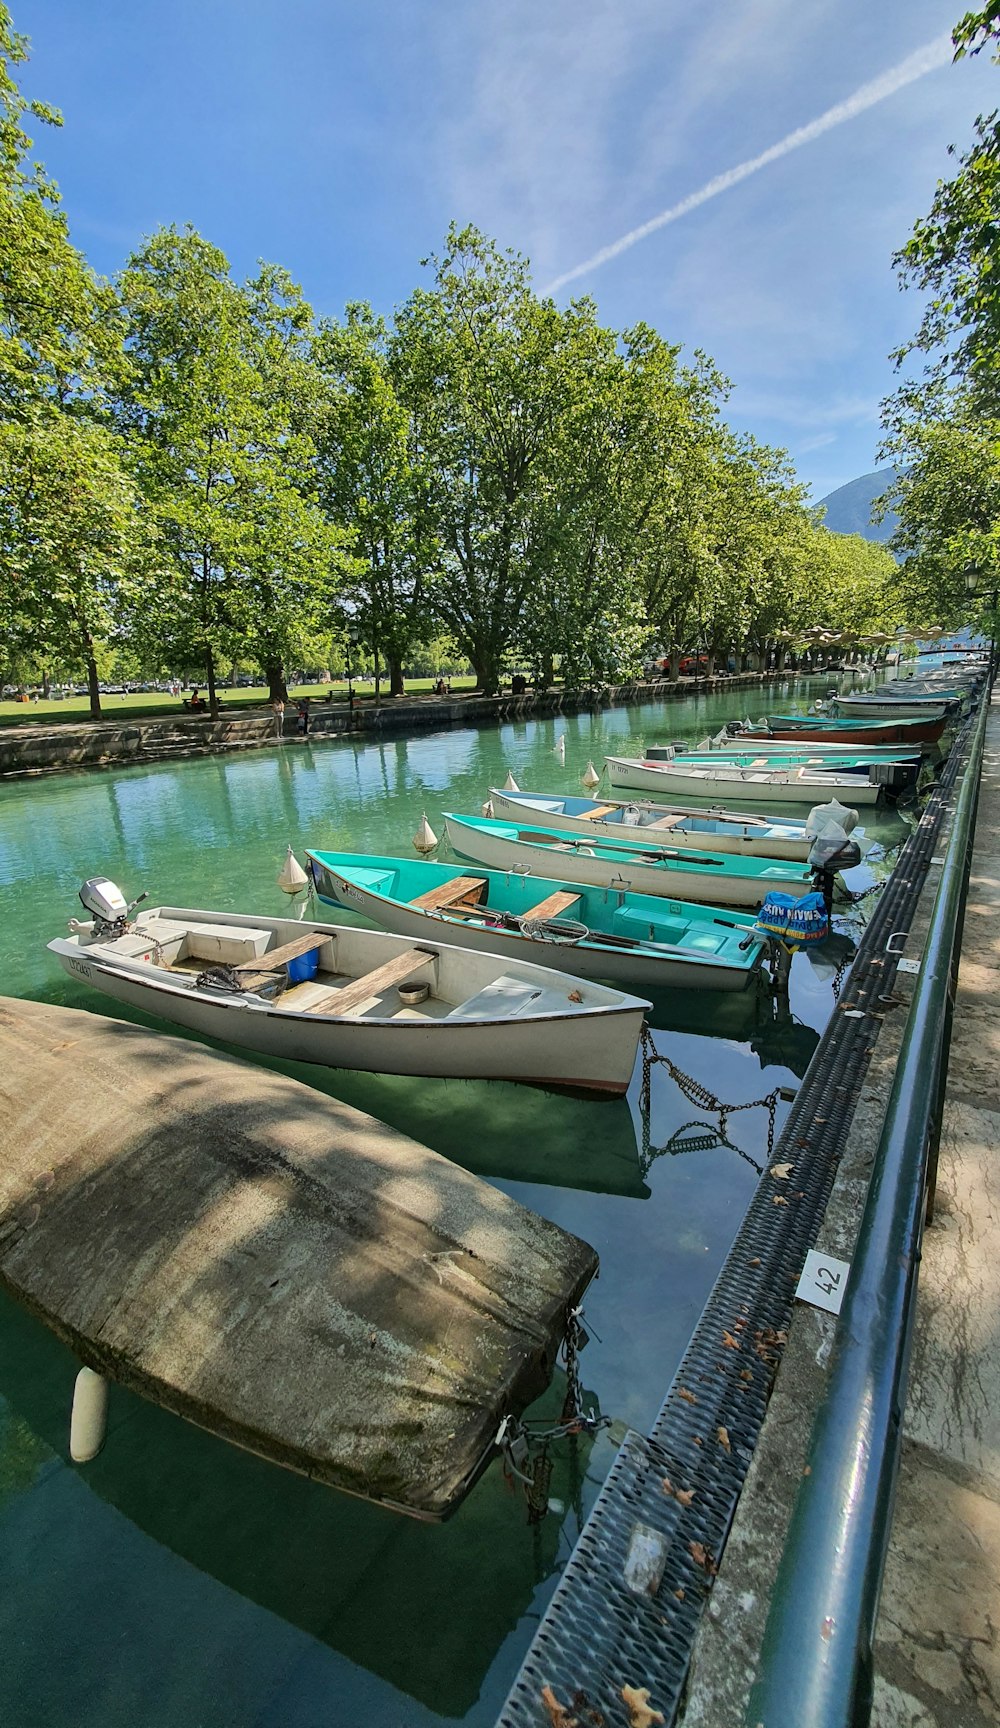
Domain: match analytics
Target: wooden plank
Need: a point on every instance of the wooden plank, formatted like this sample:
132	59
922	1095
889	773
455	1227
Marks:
595	815
267	1262
665	822
373	983
550	908
276	957
459	888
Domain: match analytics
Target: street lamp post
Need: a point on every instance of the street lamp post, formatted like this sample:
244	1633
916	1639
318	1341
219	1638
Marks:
972	574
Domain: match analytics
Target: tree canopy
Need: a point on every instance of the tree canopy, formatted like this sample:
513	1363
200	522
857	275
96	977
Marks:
194	469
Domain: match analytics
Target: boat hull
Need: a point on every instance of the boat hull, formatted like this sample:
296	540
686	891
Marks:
871	732
753	837
704	884
889	707
625	963
763	786
580	1050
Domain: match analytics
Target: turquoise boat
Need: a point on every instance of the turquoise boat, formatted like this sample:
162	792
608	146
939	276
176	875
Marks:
852	759
605	933
640	865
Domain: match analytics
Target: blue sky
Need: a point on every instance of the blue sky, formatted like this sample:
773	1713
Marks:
340	139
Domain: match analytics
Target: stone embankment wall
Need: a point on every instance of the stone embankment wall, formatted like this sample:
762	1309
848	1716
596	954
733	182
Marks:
31	749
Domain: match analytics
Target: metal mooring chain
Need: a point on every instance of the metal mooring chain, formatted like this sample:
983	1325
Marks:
683	1140
841	974
525	1446
700	1096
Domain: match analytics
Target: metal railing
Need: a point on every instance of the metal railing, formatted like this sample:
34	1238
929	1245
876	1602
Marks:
816	1659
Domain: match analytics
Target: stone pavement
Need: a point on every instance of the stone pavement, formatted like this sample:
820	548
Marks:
937	1651
937	1647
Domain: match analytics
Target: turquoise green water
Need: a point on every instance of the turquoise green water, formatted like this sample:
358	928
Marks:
177	1583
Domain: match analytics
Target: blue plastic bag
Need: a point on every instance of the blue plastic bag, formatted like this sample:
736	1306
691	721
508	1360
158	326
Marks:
795	920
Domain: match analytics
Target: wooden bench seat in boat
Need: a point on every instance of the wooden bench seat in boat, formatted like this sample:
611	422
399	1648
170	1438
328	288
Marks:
595	815
359	990
665	822
551	908
276	957
464	888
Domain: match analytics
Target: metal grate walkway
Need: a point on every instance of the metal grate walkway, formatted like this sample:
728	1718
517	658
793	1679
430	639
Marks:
596	1635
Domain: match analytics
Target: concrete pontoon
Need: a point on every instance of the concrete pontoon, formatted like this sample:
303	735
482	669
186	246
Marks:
267	1262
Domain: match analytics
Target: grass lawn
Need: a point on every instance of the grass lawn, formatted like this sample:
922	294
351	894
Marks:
154	704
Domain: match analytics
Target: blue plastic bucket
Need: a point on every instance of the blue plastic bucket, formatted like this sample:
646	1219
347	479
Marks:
305	967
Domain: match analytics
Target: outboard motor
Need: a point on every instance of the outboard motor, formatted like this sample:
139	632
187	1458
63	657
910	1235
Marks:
107	905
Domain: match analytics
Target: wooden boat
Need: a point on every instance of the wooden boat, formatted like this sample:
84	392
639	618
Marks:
892	707
819	728
703	830
268	1263
764	784
336	996
603	932
713	878
823	759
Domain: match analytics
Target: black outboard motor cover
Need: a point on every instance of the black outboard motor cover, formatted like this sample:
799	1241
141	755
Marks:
834	851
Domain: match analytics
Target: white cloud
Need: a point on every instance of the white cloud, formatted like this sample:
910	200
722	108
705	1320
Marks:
804	412
926	59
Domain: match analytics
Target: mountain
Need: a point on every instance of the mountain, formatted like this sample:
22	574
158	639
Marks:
849	509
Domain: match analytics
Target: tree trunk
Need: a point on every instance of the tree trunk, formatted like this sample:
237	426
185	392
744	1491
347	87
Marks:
675	664
45	683
548	671
485	666
277	690
93	685
710	668
378	675
213	699
397	686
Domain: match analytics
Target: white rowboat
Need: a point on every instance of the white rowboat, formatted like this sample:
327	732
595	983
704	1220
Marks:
755	785
484	1016
673	825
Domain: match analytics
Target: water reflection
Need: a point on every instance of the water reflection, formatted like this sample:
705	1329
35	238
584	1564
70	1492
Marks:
331	1565
276	1575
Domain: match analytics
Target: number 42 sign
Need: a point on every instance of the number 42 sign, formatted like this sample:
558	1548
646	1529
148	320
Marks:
823	1280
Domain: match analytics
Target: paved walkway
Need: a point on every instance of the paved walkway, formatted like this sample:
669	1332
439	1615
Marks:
937	1651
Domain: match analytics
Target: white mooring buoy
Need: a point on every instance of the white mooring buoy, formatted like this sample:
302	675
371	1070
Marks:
510	784
487	809
591	778
425	839
89	1419
292	878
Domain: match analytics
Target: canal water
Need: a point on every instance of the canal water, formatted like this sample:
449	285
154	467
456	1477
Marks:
178	1583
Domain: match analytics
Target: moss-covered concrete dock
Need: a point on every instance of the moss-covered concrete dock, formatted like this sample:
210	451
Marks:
268	1262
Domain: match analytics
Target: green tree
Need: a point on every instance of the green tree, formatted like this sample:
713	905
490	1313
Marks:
476	362
72	537
948	503
371	475
215	389
51	308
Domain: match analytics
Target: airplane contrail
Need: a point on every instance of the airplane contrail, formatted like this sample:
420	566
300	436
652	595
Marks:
916	65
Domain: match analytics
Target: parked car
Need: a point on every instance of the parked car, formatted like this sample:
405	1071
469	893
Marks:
693	664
